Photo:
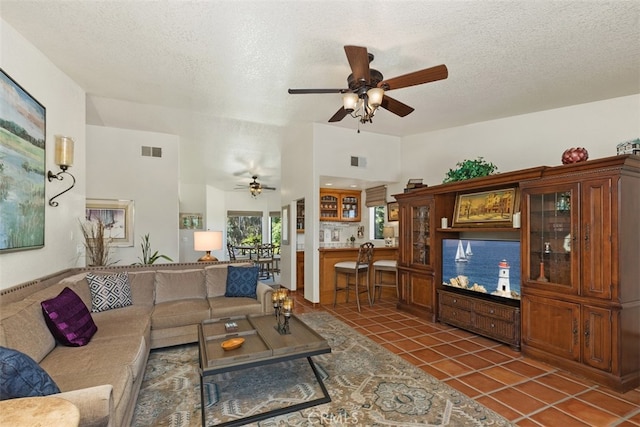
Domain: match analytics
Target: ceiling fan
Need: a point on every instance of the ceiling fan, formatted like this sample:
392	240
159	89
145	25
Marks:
367	87
255	188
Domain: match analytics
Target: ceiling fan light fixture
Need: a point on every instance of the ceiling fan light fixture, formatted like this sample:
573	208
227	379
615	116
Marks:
375	95
350	101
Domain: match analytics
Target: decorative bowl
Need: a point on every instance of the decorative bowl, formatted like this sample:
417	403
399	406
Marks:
232	344
574	155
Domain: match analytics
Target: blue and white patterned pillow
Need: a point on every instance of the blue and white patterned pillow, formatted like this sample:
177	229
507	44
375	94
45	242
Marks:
109	291
21	376
242	281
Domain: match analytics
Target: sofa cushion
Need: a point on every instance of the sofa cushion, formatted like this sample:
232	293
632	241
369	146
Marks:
22	327
133	320
179	313
21	376
109	291
69	319
223	306
179	285
242	281
143	287
216	280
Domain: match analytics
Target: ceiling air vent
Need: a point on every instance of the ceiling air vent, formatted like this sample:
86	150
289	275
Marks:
359	162
151	151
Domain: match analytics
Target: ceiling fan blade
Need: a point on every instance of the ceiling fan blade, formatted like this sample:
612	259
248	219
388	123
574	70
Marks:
339	115
427	75
395	106
359	62
305	91
266	187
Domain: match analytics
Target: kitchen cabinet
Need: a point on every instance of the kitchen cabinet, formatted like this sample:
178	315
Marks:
340	205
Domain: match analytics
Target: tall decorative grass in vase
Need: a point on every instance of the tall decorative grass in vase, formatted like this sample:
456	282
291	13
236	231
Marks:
97	247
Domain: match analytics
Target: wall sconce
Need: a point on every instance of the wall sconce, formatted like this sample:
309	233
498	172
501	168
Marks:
207	241
388	233
64	159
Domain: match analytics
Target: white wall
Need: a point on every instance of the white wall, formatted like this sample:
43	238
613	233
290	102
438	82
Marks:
117	170
64	101
523	141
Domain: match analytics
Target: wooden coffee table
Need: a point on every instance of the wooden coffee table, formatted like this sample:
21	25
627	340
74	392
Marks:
263	345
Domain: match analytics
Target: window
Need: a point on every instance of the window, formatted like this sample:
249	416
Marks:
244	228
377	215
275	228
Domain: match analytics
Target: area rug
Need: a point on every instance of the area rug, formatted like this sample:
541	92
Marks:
368	385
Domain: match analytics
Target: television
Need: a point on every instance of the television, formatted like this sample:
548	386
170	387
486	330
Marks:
491	267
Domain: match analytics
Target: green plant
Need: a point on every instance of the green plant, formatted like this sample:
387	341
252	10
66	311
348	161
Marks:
468	169
147	257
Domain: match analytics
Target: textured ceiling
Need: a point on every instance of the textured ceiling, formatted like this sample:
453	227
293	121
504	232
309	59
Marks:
233	61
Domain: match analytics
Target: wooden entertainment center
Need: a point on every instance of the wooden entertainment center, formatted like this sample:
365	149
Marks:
579	306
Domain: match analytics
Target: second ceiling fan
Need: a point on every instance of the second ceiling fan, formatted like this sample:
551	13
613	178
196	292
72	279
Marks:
367	87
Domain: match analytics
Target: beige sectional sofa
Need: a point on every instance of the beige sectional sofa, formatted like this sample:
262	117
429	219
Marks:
103	378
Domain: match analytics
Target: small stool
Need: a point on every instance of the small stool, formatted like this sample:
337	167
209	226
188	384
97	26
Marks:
378	268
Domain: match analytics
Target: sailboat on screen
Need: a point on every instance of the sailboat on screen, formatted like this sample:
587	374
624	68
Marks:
460	255
468	251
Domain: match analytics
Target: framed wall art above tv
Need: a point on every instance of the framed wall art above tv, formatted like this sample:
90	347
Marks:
487	208
22	167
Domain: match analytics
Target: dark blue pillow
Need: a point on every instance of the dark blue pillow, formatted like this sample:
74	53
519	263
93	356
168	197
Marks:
242	281
21	376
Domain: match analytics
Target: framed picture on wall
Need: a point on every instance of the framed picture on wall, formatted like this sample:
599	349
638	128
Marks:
393	211
22	167
117	217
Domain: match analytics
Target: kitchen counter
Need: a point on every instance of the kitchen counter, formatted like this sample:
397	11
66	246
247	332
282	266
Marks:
331	255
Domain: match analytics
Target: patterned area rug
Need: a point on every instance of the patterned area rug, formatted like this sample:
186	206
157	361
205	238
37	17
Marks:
368	385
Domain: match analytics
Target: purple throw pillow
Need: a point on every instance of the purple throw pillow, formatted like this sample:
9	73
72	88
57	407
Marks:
69	319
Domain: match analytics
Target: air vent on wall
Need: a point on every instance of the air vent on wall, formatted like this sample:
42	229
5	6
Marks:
359	162
151	151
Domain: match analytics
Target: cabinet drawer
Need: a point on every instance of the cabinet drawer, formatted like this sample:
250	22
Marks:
496	328
493	310
455	316
456	301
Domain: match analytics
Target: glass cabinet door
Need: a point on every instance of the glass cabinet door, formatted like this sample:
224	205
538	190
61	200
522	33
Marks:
551	242
420	234
349	207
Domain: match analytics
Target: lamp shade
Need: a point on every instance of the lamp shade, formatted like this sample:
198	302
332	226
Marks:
387	232
349	101
375	96
64	151
207	240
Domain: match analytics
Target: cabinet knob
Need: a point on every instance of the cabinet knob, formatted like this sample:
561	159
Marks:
491	311
493	325
455	300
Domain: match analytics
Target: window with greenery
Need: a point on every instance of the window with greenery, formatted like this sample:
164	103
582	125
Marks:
244	228
377	215
275	225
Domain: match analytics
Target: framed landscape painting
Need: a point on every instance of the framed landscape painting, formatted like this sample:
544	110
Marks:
494	207
117	217
22	168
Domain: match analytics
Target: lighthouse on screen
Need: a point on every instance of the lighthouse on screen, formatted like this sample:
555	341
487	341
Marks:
504	289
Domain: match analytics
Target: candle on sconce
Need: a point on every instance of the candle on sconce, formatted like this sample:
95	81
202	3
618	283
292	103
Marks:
64	151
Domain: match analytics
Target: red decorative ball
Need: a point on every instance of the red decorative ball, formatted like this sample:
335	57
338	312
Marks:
574	155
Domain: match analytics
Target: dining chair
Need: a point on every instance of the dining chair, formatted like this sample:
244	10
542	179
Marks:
359	269
265	259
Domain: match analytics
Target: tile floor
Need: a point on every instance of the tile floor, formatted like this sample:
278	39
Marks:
527	392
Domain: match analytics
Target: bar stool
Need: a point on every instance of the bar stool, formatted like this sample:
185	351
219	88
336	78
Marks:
359	269
378	268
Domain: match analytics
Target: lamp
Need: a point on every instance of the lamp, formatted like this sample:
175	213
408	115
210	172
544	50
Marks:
64	159
362	105
388	234
207	241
